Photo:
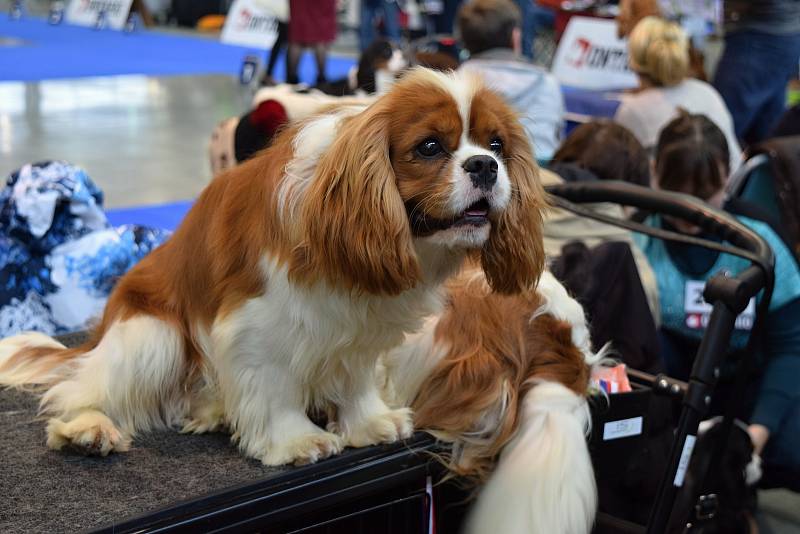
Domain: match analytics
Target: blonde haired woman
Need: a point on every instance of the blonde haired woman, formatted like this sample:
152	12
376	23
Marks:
658	51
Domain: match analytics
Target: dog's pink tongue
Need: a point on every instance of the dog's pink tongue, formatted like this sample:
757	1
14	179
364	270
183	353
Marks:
476	212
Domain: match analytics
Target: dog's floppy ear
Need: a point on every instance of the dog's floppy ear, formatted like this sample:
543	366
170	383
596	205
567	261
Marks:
356	231
513	258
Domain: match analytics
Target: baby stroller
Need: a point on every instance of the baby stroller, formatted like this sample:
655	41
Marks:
729	295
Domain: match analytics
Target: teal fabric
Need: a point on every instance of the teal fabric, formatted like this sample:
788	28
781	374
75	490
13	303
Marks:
672	282
779	366
779	391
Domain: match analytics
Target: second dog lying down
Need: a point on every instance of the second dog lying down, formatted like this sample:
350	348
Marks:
508	376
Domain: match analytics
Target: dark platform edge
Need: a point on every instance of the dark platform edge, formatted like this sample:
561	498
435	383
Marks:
357	473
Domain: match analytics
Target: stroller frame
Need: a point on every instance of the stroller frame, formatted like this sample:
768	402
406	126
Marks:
728	296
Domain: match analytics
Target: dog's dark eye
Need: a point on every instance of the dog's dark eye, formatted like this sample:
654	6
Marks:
496	145
429	148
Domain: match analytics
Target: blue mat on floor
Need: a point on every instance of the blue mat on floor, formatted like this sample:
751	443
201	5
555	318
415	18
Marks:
166	216
39	51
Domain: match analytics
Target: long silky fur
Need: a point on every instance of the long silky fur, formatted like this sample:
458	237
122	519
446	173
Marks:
507	385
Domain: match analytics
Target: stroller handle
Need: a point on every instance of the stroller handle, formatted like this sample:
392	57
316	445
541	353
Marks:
729	297
686	207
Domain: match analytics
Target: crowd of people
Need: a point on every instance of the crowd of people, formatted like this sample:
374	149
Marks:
676	131
306	24
314	27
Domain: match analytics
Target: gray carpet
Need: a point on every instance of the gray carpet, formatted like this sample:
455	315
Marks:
47	491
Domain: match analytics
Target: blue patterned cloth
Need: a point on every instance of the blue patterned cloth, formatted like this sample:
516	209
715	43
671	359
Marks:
59	256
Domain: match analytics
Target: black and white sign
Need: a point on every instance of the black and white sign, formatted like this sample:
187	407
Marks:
108	13
591	56
622	428
698	311
252	23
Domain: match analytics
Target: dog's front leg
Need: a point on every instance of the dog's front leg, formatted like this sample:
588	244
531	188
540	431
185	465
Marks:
265	401
364	419
269	418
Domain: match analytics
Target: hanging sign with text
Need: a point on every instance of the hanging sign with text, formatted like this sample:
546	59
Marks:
99	13
251	23
591	56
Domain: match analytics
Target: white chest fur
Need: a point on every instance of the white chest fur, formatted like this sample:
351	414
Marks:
317	334
292	349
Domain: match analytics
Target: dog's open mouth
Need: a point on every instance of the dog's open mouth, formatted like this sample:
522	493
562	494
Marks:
477	214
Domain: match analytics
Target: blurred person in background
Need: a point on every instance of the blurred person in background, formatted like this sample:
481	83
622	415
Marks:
388	12
632	11
692	158
491	31
599	150
762	48
281	10
312	24
658	52
534	17
604	149
444	20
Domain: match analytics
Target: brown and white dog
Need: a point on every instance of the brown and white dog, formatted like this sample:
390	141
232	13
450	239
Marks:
294	271
505	379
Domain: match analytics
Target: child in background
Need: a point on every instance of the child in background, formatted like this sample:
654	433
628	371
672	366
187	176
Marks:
692	157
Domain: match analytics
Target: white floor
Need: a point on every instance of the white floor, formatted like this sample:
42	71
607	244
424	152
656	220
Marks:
142	140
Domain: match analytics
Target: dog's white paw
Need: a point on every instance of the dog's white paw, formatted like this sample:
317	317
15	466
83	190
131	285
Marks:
208	418
202	426
386	427
303	450
91	433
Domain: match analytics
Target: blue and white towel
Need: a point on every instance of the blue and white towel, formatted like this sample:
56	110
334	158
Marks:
59	256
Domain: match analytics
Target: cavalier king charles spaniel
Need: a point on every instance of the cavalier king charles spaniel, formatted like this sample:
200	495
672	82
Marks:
505	380
293	272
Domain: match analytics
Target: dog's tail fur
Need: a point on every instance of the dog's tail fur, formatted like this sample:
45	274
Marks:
125	379
544	481
34	361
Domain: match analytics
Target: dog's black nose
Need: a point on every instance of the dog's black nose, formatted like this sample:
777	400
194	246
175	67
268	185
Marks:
482	171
